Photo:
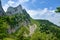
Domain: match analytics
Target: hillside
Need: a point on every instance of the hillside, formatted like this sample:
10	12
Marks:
16	24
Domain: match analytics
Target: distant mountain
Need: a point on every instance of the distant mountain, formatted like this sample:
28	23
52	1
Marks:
16	24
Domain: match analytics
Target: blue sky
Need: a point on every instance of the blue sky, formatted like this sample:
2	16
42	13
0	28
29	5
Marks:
38	9
35	4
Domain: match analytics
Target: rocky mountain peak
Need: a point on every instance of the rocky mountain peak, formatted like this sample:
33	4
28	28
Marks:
1	9
14	10
20	17
19	6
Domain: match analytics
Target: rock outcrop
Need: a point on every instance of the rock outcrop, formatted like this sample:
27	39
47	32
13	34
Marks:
19	16
1	9
14	10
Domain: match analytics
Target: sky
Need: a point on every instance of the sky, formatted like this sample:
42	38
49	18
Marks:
37	9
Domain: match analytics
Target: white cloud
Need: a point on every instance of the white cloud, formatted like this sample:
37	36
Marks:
45	14
37	14
23	1
10	2
5	7
40	12
13	3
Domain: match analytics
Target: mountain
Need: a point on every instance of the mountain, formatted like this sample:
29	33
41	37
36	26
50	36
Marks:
19	16
16	24
1	10
14	10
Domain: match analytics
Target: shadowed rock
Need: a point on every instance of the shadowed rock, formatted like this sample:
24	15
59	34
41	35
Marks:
1	9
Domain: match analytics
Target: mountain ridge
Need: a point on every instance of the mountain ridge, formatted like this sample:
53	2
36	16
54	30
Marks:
14	10
1	10
17	24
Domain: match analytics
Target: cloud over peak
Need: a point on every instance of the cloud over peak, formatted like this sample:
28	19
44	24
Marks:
13	3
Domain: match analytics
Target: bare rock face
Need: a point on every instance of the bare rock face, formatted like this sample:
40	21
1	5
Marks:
14	10
21	18
1	10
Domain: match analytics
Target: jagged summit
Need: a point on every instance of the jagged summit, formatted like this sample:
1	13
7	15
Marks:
14	10
20	17
1	9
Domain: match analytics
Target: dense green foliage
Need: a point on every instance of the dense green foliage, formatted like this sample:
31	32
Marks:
8	23
3	27
17	27
45	30
49	29
58	10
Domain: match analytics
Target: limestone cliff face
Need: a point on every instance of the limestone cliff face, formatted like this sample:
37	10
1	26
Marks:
19	16
1	9
14	10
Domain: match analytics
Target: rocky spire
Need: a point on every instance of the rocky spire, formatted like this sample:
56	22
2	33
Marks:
0	1
14	10
1	9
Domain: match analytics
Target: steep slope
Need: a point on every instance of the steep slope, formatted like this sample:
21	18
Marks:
1	10
14	10
50	29
16	24
46	22
17	17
